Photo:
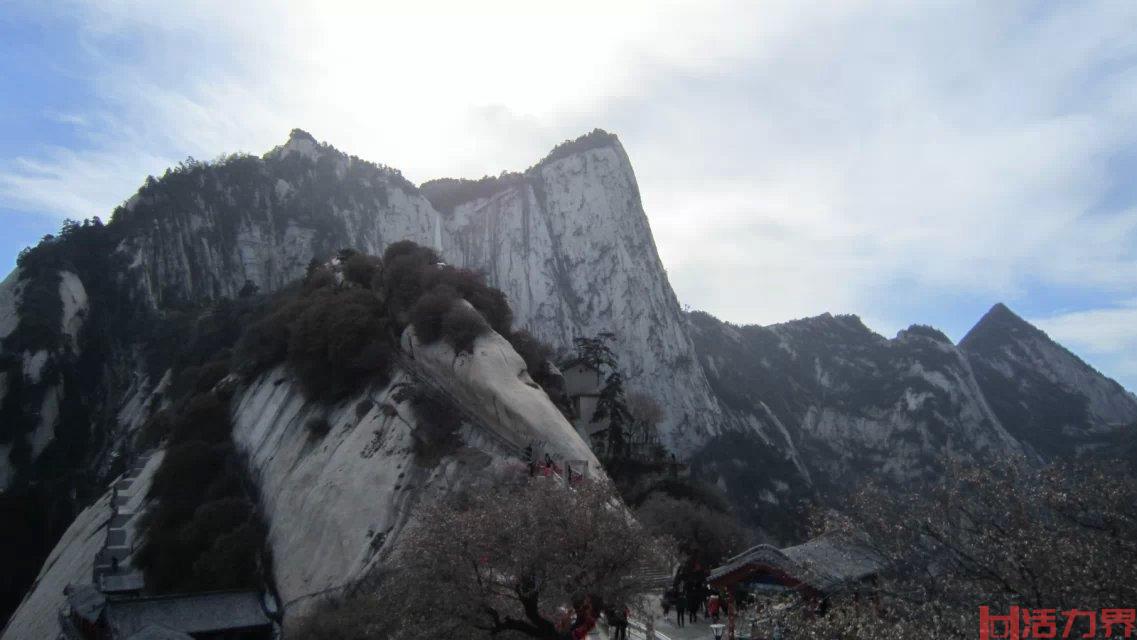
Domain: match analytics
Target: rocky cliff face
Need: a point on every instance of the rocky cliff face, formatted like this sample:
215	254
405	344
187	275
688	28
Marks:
567	241
570	245
1046	396
205	231
844	403
850	404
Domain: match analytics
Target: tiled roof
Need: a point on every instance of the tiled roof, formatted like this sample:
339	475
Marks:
832	560
197	613
823	563
762	554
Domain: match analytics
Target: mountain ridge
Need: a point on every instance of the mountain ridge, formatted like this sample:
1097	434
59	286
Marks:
775	415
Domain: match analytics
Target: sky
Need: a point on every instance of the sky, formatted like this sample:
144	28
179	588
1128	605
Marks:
910	162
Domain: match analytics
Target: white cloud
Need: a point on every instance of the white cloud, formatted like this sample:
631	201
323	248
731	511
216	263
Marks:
1098	331
1106	337
794	158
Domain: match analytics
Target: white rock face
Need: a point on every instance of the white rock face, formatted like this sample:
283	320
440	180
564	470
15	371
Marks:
330	502
336	505
492	384
74	298
572	249
33	365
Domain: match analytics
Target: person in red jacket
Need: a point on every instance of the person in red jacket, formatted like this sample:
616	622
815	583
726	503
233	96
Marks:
585	621
713	607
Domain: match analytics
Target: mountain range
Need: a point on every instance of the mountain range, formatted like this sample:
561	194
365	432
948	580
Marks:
94	325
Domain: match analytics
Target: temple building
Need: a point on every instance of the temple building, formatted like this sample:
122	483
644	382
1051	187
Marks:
582	385
815	568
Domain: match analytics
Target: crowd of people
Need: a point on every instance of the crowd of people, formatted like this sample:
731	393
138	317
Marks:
689	595
548	468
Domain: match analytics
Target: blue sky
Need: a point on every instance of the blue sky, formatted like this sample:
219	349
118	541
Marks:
906	163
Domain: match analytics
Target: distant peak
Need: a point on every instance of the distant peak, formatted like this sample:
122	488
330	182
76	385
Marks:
299	142
1000	309
999	324
593	140
300	134
925	331
445	194
844	322
1001	314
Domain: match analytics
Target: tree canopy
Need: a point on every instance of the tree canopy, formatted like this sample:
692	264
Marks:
513	560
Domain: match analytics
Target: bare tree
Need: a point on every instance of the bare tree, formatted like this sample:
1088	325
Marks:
702	533
517	560
1060	538
646	415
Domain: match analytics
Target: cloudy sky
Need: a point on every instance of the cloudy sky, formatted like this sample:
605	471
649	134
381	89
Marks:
905	161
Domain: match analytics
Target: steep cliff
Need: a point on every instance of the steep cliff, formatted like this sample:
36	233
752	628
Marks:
569	243
1045	395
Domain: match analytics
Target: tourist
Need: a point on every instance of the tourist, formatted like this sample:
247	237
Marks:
681	609
713	607
585	621
619	623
